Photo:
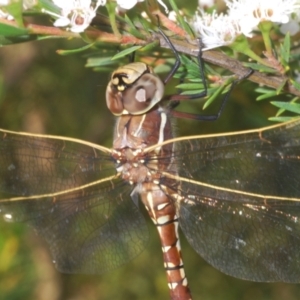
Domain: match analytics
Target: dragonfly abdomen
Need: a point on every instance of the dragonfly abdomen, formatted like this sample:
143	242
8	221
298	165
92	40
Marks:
163	214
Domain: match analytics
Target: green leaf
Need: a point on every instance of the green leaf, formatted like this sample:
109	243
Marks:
146	25
111	9
98	61
150	46
125	52
292	107
281	119
192	92
188	69
15	9
285	50
133	29
191	70
12	31
190	86
195	80
105	69
189	64
217	92
282	110
260	68
5	41
296	85
74	51
162	68
281	86
263	90
268	95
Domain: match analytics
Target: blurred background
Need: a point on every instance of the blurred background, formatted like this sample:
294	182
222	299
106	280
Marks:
42	92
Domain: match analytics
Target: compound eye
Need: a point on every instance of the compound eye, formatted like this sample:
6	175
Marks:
146	92
133	90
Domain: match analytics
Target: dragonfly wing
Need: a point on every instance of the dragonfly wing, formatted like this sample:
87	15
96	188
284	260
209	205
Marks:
239	200
34	165
244	236
265	161
89	230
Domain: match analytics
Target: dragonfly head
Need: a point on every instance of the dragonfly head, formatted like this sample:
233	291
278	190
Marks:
133	89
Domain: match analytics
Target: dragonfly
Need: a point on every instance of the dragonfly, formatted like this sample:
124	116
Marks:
235	196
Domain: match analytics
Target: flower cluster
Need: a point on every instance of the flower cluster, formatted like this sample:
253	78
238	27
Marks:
75	15
243	17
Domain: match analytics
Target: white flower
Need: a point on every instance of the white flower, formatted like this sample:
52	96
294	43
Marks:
4	2
173	16
216	30
75	14
243	17
250	13
3	13
206	3
27	4
293	25
128	4
163	5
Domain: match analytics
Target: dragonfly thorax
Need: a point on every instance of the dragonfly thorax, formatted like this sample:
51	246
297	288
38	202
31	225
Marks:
132	165
133	134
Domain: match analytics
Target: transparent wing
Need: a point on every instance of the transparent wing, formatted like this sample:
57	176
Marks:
72	200
91	230
33	165
241	201
265	161
243	236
